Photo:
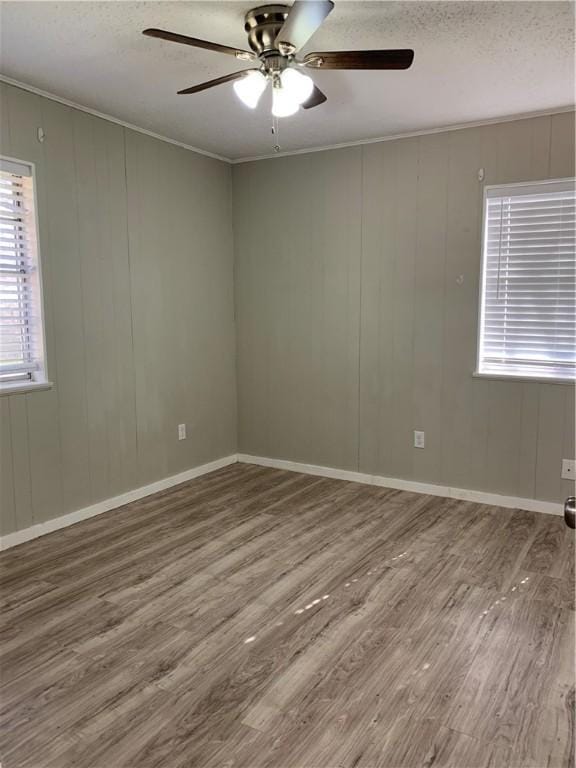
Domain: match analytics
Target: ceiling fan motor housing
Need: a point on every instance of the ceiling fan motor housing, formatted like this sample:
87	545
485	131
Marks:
262	25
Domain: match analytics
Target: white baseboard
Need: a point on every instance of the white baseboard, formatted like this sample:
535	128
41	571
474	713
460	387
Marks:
493	499
40	529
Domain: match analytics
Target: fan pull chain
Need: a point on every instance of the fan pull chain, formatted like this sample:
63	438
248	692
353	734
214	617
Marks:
276	134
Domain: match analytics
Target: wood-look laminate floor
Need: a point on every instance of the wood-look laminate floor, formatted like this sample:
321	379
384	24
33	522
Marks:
262	618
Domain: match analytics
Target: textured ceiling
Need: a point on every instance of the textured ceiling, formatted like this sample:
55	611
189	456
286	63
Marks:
474	61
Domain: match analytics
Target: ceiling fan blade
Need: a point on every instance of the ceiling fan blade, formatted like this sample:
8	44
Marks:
174	37
217	81
315	99
303	20
392	59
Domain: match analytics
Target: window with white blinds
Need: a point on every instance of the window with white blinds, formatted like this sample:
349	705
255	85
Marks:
528	307
21	331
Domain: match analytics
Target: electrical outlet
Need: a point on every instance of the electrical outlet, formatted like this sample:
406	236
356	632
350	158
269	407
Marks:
419	439
568	469
181	431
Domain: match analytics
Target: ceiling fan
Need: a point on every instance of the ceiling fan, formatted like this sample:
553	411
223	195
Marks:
276	33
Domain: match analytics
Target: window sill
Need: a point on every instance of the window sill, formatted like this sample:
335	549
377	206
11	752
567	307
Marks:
28	386
522	379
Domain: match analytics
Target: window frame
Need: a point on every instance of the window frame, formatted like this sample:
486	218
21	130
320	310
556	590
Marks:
40	380
524	377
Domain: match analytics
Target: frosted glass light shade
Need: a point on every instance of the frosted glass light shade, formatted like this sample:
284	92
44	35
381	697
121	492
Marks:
298	86
250	88
283	104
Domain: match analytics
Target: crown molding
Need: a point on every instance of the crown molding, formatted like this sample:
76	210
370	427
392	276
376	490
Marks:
290	153
104	116
409	134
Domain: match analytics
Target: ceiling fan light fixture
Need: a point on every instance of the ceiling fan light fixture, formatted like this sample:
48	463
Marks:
297	85
276	34
283	103
250	88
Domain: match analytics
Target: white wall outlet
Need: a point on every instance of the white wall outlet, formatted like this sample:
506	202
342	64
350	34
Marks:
419	439
181	431
568	469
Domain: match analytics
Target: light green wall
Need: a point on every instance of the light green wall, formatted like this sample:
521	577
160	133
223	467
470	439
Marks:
137	258
353	327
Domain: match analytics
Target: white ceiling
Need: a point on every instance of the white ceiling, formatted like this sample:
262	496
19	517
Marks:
474	61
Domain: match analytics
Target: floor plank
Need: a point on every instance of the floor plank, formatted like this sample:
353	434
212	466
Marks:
260	618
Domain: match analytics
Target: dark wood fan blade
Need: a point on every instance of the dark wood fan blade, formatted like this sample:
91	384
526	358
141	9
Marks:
217	81
315	99
174	37
393	59
303	20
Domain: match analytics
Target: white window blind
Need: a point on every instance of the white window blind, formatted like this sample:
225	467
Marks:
21	333
527	308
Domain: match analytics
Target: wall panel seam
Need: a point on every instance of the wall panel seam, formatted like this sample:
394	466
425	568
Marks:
9	404
131	299
82	306
360	316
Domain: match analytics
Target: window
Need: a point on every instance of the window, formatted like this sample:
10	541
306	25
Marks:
527	302
21	321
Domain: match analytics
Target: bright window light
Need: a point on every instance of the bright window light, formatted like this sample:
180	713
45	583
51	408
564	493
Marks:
21	316
528	293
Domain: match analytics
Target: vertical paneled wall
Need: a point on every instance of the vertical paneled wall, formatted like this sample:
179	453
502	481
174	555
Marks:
356	278
137	259
357	275
297	230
